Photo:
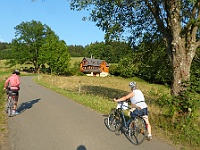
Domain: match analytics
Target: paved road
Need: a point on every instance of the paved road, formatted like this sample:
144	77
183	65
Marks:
49	121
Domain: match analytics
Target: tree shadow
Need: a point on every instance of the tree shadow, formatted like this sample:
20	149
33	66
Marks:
103	91
27	105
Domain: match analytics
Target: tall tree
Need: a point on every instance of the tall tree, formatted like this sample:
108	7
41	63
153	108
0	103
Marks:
29	38
55	54
177	21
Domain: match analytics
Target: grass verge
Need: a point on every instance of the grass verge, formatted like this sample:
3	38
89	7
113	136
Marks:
3	118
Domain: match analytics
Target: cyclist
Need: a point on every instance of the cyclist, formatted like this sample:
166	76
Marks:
12	84
138	104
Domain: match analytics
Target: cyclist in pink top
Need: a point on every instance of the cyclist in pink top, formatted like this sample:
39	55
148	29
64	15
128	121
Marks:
12	84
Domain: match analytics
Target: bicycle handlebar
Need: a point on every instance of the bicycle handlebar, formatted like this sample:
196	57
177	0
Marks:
123	105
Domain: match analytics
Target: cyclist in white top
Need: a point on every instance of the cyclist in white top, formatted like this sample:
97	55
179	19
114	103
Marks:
138	104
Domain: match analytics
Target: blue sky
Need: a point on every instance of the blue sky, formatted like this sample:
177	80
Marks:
67	24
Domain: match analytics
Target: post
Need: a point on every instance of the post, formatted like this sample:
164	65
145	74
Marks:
79	88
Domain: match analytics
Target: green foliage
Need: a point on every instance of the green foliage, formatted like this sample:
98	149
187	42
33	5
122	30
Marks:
126	67
114	70
76	51
185	104
153	62
30	36
37	44
4	45
195	73
55	54
111	52
180	116
5	51
75	70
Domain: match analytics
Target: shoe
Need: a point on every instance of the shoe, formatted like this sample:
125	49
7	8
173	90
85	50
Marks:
149	137
15	113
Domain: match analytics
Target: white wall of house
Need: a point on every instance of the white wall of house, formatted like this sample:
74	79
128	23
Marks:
102	74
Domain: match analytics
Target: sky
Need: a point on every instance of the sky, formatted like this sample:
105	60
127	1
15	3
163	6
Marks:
66	23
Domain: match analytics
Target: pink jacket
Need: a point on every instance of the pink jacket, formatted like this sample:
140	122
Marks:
13	82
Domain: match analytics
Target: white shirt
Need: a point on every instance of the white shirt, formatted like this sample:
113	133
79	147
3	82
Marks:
138	99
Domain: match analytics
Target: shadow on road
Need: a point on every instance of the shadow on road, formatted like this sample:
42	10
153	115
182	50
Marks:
81	147
27	105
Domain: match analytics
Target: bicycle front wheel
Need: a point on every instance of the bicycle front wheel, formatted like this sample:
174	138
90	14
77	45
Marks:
9	106
137	130
114	120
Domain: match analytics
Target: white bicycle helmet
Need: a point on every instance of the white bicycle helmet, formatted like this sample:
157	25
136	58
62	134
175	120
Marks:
16	72
132	84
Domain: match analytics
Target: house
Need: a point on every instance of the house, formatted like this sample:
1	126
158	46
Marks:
94	67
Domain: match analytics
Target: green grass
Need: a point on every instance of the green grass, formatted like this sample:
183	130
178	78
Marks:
3	118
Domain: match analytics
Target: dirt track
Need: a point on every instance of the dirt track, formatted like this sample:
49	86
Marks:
49	121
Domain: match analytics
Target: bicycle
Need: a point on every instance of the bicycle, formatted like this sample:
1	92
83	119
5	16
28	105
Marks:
10	102
134	128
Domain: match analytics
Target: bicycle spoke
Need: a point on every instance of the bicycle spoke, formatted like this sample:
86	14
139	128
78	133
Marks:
137	131
113	121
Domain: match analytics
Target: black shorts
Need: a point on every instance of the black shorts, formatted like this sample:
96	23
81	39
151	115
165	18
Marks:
11	92
139	112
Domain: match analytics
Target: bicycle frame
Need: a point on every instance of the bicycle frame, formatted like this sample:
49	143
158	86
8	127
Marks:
123	118
121	107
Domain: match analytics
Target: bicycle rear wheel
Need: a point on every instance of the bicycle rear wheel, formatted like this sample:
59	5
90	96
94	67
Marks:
137	130
114	121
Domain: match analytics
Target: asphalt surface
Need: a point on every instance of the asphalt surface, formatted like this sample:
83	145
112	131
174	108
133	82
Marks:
50	121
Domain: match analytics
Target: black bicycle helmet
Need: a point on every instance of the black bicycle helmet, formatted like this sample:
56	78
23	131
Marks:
16	71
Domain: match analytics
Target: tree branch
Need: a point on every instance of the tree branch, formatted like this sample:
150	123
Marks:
197	44
155	11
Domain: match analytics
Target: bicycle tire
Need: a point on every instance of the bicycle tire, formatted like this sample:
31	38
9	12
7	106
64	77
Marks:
114	120
137	130
9	106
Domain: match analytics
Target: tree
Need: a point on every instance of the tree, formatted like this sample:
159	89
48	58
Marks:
111	52
29	38
146	58
55	54
177	21
76	50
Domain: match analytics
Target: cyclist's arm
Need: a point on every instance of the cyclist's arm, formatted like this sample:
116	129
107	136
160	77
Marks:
6	83
18	81
124	98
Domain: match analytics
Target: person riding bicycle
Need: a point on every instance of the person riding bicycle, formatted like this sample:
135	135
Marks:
12	84
139	107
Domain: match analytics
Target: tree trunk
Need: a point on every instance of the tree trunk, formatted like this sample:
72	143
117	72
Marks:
182	48
181	63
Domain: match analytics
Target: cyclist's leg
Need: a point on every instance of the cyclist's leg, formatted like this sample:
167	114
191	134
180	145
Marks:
15	102
145	117
147	124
